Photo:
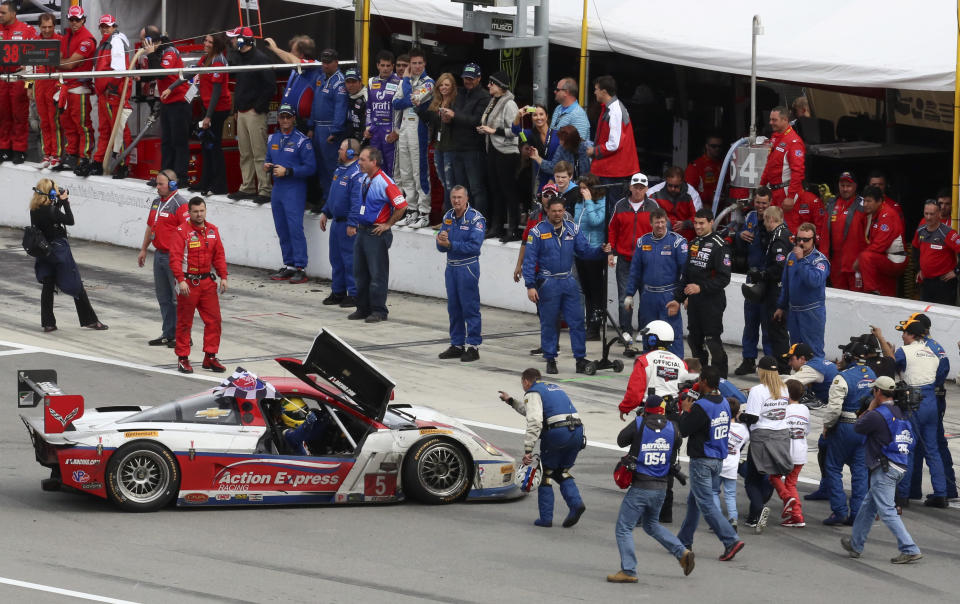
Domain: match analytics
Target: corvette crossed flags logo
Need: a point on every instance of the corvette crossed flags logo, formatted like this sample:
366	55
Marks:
64	420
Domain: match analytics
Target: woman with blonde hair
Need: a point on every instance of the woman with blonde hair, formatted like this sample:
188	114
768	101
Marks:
441	132
50	212
770	450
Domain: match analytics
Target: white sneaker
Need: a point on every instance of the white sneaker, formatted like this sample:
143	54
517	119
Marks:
408	218
423	220
762	521
627	339
45	163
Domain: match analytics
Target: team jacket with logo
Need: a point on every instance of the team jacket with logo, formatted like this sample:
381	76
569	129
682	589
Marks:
936	251
785	164
658	369
196	251
708	266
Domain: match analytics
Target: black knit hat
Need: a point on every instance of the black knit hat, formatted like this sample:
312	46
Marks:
501	79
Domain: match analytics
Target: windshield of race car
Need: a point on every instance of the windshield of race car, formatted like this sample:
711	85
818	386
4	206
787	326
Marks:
202	409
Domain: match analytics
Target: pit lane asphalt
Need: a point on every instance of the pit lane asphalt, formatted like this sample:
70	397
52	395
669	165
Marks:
408	552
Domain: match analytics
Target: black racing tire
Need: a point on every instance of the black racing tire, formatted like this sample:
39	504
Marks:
142	476
437	471
617	365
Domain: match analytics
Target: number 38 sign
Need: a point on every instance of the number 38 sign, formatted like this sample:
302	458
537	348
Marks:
747	164
29	52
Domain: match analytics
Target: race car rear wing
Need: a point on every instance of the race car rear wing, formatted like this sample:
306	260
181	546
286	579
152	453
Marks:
59	409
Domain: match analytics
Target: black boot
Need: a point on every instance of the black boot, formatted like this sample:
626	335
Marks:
747	367
120	172
552	367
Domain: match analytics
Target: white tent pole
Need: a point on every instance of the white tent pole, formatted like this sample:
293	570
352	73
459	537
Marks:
15	77
757	30
163	16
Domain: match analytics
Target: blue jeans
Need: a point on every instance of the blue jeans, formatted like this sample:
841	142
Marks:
642	505
704	482
443	161
728	488
879	500
371	270
165	286
470	170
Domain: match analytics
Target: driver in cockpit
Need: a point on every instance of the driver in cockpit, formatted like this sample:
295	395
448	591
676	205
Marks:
304	425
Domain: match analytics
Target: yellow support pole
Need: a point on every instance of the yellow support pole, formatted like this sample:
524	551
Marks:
365	53
956	133
584	53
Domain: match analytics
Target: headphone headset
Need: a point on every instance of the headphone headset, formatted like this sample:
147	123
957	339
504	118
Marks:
52	194
241	42
171	182
351	153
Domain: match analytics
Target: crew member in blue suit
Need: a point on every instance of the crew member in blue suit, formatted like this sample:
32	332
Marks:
803	291
754	237
552	419
548	277
343	208
657	268
328	116
844	445
460	238
290	160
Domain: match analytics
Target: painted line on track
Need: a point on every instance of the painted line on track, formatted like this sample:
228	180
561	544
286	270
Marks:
21	348
63	592
10	353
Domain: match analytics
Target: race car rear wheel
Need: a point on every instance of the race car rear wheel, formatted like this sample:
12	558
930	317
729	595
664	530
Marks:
436	471
142	476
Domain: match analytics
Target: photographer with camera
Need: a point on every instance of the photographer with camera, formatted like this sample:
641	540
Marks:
50	213
653	440
889	444
919	365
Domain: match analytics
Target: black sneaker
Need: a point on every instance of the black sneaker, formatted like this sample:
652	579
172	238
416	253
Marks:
356	316
375	318
348	302
332	299
470	354
536	352
454	352
96	169
161	341
69	162
583	365
283	274
152	182
120	172
261	199
239	195
747	367
552	367
18	157
83	167
731	551
4	155
936	501
299	276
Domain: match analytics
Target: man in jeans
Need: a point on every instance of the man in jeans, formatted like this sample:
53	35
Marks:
469	163
705	422
251	100
887	459
653	441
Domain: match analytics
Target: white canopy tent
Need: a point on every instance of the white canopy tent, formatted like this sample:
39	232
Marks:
868	43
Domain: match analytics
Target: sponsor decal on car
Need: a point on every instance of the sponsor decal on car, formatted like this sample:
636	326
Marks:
256	497
196	498
141	434
287	474
79	476
224	496
506	468
434	431
79	461
63	420
212	412
90	486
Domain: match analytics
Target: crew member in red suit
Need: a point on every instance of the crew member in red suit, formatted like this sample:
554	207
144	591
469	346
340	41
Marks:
197	260
785	165
935	246
111	56
14	104
676	202
840	217
879	180
884	257
614	152
43	92
703	174
807	208
76	54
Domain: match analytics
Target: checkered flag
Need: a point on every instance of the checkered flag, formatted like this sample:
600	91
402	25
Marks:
245	385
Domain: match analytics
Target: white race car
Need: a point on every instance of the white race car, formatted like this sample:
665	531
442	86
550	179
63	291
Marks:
226	446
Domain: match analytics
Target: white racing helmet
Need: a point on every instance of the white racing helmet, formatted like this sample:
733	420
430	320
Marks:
657	333
529	477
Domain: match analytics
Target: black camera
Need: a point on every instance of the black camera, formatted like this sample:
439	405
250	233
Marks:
678	473
908	398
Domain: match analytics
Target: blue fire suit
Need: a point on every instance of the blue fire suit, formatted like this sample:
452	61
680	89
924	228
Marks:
294	152
547	267
753	311
943	370
328	117
343	209
847	447
380	116
462	276
731	392
310	431
657	268
802	297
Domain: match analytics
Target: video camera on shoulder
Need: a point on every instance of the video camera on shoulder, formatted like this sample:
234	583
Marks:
908	398
860	347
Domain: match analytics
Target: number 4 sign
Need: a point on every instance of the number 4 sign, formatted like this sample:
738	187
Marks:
747	165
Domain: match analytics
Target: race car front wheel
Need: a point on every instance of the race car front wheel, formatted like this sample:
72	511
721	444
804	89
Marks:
142	476
436	471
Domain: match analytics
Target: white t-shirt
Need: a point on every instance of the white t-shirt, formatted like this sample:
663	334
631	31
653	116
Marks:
798	420
772	411
737	438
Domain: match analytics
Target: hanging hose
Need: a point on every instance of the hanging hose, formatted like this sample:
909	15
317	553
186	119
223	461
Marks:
723	172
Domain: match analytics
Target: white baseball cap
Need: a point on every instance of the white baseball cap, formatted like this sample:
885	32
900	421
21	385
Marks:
639	179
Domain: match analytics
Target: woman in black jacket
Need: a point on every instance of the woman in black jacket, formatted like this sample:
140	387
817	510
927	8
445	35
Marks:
50	212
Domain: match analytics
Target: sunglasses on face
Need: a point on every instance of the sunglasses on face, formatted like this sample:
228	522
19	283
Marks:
804	239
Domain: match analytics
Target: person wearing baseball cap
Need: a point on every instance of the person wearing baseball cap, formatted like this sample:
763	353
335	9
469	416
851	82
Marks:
466	151
14	119
77	50
889	441
290	160
654	442
842	214
329	117
356	103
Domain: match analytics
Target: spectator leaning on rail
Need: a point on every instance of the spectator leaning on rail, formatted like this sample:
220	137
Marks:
175	113
214	90
935	246
614	152
291	161
251	100
469	163
343	209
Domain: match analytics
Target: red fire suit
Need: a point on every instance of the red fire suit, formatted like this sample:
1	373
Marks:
43	93
111	56
14	104
678	212
785	166
841	268
703	174
75	94
195	253
809	208
883	258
